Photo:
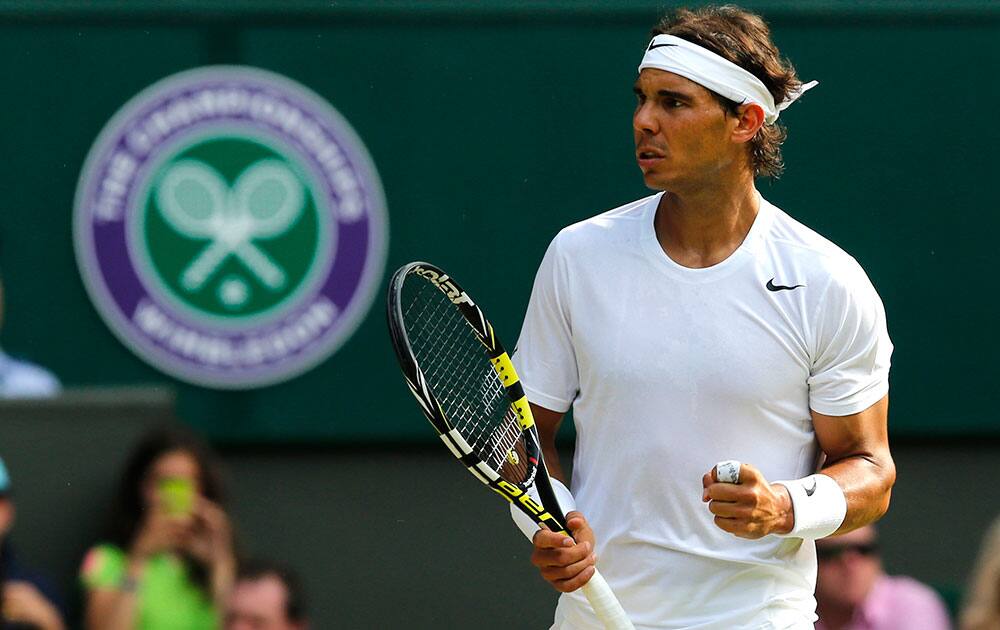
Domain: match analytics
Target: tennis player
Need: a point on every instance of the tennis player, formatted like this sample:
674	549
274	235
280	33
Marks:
702	325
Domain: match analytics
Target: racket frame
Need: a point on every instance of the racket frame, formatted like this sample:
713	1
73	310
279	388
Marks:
548	513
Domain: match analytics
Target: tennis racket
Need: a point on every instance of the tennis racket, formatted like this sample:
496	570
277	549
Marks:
466	386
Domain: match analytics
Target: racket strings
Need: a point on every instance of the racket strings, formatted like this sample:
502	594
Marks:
458	371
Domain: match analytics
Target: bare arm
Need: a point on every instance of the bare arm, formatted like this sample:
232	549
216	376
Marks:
547	422
114	609
858	459
565	563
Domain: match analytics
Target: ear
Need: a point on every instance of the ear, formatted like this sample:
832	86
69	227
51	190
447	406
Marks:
749	119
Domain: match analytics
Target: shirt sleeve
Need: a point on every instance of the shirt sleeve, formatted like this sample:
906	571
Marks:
103	567
850	369
545	359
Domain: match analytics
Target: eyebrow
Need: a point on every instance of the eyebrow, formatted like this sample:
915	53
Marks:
680	96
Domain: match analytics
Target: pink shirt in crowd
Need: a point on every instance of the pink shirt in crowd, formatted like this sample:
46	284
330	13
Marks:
899	603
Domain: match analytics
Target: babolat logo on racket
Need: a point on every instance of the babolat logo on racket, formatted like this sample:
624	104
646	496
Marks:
444	283
230	227
512	493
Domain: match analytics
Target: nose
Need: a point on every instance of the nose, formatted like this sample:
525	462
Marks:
643	120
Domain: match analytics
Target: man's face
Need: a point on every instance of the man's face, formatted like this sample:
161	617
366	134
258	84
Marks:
259	605
849	565
683	137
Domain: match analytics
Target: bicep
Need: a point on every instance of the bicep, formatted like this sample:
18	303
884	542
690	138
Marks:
863	433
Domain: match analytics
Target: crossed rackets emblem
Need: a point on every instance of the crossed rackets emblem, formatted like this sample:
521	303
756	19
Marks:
264	202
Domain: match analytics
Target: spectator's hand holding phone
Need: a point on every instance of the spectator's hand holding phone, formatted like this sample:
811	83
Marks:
211	542
169	524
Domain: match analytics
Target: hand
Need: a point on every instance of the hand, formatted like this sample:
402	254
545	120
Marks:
212	539
161	531
23	603
212	544
753	508
566	563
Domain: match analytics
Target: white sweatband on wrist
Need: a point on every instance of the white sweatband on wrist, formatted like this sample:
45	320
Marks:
819	506
524	522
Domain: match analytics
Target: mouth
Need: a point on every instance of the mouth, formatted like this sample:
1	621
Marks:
648	157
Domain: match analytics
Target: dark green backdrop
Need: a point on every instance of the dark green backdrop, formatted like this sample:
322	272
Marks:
493	124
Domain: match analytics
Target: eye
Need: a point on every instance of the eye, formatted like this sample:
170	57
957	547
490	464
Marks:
672	103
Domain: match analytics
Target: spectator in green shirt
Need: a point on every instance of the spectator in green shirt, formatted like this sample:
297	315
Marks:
168	560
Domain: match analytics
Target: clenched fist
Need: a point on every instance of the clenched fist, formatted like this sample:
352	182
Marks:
752	508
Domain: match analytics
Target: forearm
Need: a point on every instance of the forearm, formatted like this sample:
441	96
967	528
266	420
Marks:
547	424
551	455
867	480
116	609
223	579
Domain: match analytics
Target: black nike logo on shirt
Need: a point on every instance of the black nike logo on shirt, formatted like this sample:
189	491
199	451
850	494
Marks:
777	287
809	491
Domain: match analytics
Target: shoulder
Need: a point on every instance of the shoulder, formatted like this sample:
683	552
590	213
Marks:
811	257
103	565
616	226
24	379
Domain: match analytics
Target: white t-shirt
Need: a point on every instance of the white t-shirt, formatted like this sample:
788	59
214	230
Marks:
670	370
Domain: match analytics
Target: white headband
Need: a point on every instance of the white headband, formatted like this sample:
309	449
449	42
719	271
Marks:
711	71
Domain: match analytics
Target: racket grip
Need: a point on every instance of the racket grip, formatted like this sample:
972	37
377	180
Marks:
605	604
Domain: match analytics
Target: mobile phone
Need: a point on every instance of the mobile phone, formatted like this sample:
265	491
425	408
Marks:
176	494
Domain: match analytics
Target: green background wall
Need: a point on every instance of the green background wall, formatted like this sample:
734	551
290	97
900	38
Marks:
493	124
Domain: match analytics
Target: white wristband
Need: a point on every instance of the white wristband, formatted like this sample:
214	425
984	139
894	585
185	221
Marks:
819	505
524	522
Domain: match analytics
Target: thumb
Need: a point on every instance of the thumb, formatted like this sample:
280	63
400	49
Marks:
575	520
579	528
750	475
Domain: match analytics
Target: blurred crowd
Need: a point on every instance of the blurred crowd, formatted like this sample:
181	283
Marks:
168	557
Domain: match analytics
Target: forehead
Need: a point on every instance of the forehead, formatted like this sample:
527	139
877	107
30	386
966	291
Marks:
175	464
652	80
265	596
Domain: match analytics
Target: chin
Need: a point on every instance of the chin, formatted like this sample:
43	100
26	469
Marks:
656	183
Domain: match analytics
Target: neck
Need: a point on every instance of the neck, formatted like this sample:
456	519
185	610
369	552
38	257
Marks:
702	227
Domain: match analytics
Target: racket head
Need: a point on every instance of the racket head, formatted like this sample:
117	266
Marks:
466	386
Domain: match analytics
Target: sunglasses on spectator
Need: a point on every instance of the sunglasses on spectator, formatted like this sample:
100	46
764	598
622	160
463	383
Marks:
832	553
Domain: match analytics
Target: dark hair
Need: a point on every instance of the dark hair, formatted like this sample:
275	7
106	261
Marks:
129	504
744	39
295	600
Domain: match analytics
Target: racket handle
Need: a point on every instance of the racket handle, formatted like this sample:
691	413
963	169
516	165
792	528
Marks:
605	604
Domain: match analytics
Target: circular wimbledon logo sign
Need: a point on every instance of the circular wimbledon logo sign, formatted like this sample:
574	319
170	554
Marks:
230	227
